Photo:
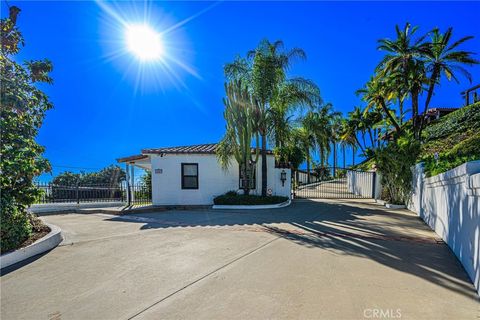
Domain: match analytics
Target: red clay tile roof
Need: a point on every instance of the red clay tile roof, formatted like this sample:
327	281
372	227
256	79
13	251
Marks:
208	148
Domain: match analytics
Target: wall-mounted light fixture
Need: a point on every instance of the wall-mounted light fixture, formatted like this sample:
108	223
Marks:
283	177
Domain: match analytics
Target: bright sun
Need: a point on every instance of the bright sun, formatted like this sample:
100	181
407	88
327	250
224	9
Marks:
144	42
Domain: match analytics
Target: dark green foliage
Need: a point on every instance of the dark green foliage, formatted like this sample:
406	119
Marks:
464	119
232	198
467	150
23	108
15	226
108	176
394	162
454	137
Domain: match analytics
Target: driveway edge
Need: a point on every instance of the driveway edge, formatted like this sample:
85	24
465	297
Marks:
48	242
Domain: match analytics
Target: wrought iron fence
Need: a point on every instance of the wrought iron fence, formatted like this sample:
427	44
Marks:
54	193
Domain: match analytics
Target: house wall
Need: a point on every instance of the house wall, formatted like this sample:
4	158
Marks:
450	204
213	180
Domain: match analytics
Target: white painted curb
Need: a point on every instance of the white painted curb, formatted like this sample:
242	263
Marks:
395	206
48	242
254	207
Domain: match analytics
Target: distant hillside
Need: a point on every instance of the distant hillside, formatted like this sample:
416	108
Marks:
456	138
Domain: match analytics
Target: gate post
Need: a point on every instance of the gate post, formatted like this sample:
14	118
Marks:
374	183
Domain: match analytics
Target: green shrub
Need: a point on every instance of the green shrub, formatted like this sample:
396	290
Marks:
465	151
393	162
15	225
231	193
466	118
237	199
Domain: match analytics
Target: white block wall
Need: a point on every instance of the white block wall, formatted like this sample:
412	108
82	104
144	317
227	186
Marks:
450	204
213	180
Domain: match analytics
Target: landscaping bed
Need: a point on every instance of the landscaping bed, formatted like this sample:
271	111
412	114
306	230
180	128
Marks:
236	199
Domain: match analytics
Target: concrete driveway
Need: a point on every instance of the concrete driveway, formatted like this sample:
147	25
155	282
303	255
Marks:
312	260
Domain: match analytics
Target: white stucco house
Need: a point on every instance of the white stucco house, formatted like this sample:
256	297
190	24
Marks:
191	175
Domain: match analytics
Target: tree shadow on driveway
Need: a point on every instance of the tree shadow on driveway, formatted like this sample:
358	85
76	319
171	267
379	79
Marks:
396	239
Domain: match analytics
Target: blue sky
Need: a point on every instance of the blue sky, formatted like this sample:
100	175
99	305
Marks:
103	110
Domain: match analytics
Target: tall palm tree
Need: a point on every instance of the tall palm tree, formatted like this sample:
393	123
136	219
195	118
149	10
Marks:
291	95
443	57
318	120
348	139
306	140
241	129
353	126
264	71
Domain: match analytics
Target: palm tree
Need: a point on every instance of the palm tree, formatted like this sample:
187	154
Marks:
353	126
240	109
442	57
306	140
264	71
402	68
291	95
348	139
376	93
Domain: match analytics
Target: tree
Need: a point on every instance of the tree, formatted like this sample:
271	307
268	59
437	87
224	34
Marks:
109	176
306	140
241	112
263	71
23	108
443	58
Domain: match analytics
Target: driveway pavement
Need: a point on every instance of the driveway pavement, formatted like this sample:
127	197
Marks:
312	260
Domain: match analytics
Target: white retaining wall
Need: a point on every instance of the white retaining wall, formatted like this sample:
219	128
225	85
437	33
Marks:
360	183
212	179
450	204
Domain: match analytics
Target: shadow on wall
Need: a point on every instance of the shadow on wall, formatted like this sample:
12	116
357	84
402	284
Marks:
396	239
450	204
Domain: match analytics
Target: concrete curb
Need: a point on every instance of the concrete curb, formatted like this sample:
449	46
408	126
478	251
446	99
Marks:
48	242
395	206
254	207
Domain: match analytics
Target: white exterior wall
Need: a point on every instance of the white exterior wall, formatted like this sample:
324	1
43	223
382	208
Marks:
212	179
450	204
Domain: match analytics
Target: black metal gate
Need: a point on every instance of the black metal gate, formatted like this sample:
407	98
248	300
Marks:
333	183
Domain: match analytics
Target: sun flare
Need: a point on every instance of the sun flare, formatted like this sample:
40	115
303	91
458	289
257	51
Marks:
144	42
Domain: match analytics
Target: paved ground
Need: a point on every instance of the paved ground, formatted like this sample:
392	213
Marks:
311	260
333	189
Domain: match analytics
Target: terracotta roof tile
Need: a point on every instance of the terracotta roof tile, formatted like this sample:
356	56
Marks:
208	148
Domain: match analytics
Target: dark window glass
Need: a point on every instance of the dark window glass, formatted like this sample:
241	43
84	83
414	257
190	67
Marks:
189	175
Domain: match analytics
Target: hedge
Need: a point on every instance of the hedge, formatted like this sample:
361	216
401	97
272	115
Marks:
230	199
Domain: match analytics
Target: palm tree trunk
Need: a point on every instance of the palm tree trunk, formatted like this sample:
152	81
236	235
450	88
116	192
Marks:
400	107
344	160
358	143
431	87
371	137
390	117
415	114
308	165
334	158
363	139
264	165
353	155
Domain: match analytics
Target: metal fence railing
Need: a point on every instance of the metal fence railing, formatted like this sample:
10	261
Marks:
54	193
334	183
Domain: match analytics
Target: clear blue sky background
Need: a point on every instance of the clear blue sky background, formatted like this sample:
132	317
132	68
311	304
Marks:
104	110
